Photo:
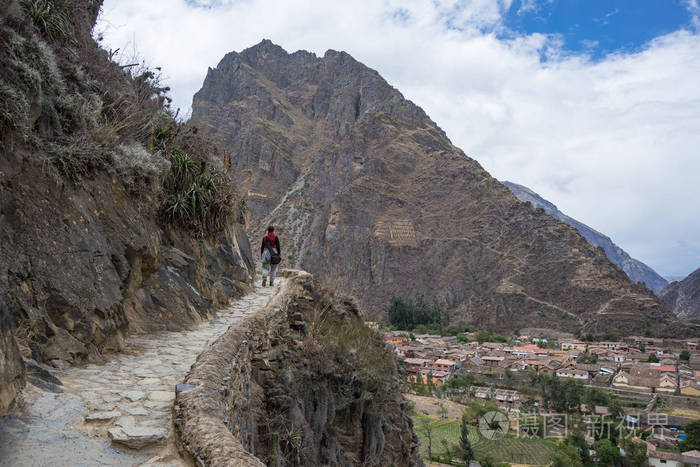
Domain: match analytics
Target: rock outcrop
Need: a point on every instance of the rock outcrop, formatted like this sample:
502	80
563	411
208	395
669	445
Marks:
303	382
683	297
635	269
88	251
82	266
370	195
11	365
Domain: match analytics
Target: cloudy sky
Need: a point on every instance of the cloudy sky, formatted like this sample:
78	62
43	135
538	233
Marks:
594	104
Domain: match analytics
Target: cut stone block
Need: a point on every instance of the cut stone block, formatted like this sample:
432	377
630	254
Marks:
136	437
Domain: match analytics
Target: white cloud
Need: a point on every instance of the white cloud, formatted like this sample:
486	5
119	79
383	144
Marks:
614	143
532	6
693	7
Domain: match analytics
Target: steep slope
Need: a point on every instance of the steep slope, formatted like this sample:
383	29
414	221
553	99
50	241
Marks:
313	386
683	297
90	249
371	195
635	269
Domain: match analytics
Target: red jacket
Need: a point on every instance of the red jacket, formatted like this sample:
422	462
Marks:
265	244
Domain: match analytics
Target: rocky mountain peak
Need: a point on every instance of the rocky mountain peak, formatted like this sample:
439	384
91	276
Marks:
335	87
369	194
683	297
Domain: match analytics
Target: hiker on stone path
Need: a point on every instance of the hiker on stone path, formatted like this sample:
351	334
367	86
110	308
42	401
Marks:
270	255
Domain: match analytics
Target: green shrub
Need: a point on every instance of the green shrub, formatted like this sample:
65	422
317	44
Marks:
75	157
692	440
461	381
197	198
184	171
140	170
356	348
482	335
418	315
588	358
14	110
462	337
50	17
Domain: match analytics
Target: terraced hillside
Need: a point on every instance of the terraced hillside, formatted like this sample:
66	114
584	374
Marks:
635	269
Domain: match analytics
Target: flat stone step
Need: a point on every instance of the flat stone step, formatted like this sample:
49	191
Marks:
134	396
135	410
161	396
102	415
136	437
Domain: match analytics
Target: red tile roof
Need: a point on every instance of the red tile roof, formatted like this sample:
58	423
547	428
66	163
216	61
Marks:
669	368
526	348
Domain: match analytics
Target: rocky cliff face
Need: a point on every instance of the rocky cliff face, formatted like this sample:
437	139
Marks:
88	251
303	382
683	297
11	365
635	269
371	195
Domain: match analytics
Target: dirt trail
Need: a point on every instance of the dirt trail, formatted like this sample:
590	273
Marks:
118	413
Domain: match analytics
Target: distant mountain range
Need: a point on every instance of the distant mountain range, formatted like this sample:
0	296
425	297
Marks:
670	279
683	297
635	269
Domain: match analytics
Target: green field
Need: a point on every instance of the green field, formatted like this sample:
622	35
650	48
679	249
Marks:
508	449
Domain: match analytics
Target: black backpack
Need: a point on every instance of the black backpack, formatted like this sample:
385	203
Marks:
275	258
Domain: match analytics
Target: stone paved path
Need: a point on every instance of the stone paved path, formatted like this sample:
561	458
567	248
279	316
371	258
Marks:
118	413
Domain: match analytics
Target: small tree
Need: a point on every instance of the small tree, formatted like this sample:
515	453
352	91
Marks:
465	446
566	455
635	453
447	450
430	383
442	411
692	439
608	453
427	431
578	440
653	358
684	355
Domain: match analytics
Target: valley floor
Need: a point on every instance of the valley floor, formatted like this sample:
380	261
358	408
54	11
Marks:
118	413
445	433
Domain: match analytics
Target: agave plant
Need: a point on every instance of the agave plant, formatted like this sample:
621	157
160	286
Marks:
184	169
199	200
202	197
50	17
178	208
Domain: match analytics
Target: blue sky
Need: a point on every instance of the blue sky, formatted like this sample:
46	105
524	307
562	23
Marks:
599	27
594	104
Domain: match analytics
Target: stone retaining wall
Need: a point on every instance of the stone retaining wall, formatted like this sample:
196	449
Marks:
218	391
302	382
